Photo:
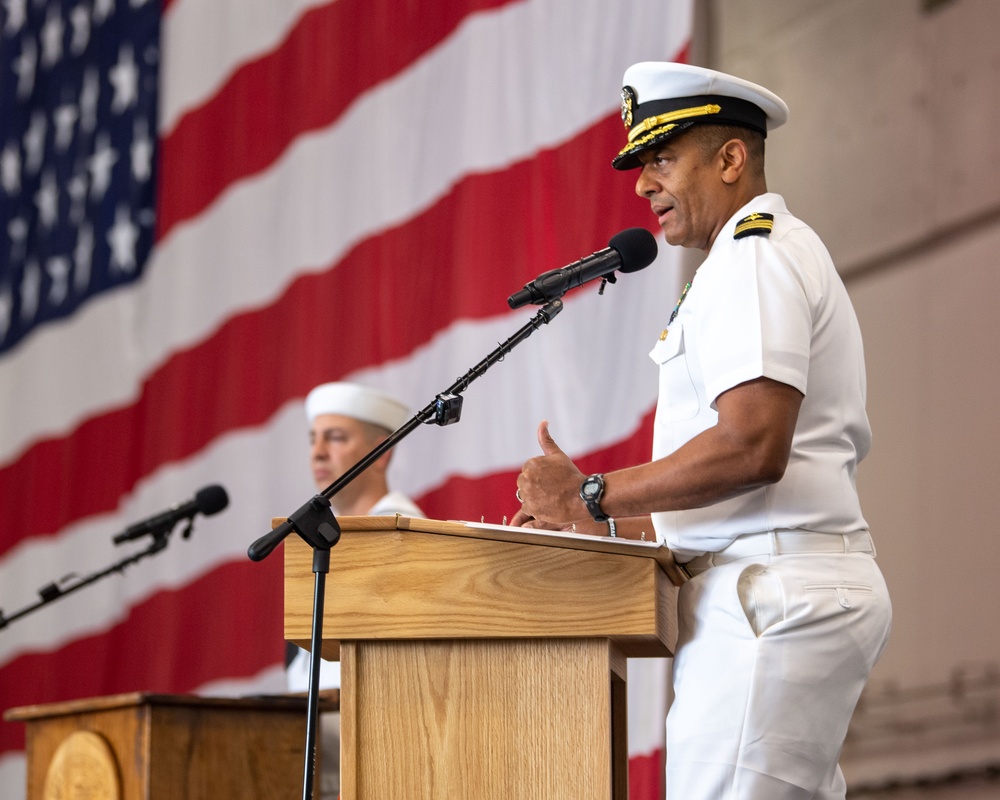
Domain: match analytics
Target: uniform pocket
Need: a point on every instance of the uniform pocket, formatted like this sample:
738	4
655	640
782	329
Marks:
847	593
762	597
678	398
850	622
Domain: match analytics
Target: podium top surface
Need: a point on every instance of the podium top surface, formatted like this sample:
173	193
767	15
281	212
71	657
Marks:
404	578
135	699
506	533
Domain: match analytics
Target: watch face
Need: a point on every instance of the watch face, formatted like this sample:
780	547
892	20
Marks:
592	487
591	491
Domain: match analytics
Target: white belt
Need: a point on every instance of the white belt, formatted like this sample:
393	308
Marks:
783	543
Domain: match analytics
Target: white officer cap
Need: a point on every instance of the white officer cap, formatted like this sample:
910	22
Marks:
662	99
358	402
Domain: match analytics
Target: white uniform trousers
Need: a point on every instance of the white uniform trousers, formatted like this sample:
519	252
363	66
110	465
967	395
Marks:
773	653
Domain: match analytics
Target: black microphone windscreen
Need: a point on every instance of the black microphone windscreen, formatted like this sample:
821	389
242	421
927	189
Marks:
636	246
212	499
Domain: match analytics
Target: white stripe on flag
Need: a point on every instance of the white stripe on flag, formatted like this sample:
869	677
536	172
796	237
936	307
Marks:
215	266
205	40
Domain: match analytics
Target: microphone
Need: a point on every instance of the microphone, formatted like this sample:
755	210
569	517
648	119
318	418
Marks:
628	251
210	500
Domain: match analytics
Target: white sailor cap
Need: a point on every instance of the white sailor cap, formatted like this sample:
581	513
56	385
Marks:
662	99
358	402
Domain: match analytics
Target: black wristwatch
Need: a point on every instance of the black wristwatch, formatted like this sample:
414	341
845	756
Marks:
591	492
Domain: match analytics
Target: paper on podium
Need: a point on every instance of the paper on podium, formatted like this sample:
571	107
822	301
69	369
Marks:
660	552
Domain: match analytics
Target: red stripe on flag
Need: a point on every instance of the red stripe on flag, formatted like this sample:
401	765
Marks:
227	623
272	113
645	776
299	340
491	498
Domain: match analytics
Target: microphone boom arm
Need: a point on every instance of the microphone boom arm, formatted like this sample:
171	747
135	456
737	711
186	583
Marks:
445	409
54	591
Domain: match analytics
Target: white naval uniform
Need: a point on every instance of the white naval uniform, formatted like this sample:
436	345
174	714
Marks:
775	644
329	671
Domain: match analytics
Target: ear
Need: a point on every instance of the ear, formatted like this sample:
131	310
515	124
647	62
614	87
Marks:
734	160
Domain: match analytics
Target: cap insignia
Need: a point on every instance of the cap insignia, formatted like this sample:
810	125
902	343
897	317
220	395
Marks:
756	224
628	103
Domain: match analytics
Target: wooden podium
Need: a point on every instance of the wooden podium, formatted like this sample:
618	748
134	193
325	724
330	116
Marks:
165	747
479	661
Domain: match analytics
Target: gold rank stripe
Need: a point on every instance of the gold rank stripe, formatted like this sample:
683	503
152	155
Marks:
672	116
755	224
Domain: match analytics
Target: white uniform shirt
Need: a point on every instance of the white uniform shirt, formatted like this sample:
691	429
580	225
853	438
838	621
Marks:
767	306
395	503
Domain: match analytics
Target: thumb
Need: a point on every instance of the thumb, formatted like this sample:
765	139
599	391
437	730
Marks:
545	440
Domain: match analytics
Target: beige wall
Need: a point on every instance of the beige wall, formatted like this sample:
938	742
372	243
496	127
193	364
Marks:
892	153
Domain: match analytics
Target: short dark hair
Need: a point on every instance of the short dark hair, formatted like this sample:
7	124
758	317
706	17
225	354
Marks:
711	137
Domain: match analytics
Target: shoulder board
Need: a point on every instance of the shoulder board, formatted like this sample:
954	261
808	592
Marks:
756	224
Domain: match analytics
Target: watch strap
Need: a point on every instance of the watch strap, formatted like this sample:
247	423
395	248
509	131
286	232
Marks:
593	498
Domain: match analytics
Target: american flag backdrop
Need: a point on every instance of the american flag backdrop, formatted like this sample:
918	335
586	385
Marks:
207	207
